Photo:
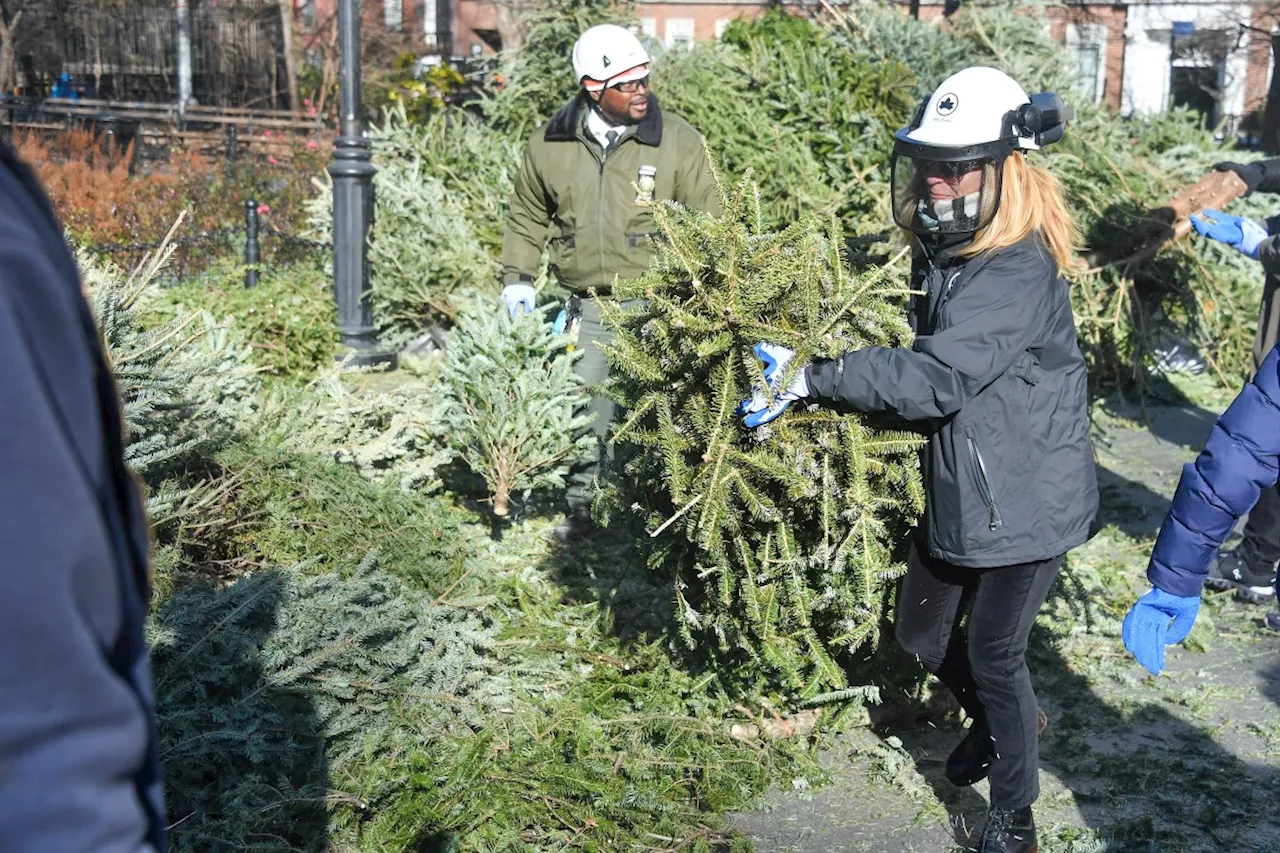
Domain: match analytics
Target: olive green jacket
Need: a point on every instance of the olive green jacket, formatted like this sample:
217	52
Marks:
587	204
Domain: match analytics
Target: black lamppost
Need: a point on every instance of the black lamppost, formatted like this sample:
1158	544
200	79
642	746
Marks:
352	174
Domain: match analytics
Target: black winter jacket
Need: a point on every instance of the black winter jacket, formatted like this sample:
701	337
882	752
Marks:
996	381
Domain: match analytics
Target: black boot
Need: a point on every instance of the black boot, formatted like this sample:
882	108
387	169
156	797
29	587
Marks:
970	762
1009	831
576	526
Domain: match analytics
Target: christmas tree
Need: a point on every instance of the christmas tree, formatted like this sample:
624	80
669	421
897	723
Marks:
785	538
513	401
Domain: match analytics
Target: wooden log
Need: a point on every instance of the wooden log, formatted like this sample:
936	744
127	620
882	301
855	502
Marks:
1216	190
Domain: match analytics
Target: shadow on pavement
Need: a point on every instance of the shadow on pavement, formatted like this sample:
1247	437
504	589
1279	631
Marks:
1141	777
1129	504
1180	422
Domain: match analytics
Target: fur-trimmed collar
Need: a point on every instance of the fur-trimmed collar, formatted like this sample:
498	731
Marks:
563	126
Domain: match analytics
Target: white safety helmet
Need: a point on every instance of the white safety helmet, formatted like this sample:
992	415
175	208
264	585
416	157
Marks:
607	55
947	164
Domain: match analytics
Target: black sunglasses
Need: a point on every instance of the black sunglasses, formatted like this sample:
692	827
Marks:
631	86
949	168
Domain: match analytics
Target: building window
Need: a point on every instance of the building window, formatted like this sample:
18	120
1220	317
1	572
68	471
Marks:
430	25
1198	69
679	33
721	25
393	14
1086	43
308	11
1088	58
649	27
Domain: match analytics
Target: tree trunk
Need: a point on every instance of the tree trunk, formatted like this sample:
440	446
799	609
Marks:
6	52
183	14
510	30
290	59
501	499
329	70
1215	190
1271	117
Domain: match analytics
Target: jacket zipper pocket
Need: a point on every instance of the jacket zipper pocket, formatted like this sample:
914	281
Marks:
984	485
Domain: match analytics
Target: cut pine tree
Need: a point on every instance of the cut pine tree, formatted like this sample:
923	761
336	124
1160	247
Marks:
785	538
513	410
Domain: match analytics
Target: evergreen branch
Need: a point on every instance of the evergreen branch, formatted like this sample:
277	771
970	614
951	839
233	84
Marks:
672	520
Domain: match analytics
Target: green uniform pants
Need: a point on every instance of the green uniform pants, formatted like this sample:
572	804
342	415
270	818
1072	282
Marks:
584	474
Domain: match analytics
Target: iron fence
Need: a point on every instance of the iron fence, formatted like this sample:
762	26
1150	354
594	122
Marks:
247	250
130	53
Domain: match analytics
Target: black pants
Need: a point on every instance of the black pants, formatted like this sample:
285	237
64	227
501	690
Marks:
1260	549
984	663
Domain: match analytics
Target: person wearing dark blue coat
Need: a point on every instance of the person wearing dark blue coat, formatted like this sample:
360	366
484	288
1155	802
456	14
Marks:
78	761
1239	462
1250	567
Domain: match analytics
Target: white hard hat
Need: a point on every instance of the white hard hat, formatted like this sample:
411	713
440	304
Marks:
972	107
946	170
609	54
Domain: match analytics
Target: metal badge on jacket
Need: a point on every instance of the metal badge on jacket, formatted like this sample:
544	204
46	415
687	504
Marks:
646	183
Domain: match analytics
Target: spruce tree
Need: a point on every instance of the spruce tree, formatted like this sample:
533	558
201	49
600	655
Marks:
513	411
183	380
784	538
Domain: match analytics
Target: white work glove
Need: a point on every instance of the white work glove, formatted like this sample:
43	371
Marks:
758	410
519	298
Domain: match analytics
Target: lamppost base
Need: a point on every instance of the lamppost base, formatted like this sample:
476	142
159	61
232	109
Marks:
352	358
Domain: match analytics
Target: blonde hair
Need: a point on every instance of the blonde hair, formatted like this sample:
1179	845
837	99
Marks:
1030	200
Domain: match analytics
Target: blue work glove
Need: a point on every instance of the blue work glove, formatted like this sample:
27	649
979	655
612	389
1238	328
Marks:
1147	630
519	298
1243	235
759	410
561	321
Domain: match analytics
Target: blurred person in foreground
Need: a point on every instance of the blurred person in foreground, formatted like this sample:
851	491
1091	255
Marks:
78	765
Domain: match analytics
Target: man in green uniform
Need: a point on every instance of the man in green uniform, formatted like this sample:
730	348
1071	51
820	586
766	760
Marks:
585	185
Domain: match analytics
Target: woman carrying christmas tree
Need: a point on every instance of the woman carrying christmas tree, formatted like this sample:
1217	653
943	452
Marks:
996	381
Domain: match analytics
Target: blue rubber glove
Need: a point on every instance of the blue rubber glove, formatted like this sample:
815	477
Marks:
519	298
759	410
1147	630
1243	235
561	320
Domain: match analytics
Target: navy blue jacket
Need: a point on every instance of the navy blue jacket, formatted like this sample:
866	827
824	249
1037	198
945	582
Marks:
78	766
1238	462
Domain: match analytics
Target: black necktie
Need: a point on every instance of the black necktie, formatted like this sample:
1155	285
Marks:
610	137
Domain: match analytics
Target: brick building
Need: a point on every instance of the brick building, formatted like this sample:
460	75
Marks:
430	24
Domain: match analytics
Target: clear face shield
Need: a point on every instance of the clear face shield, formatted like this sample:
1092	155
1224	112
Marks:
934	196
